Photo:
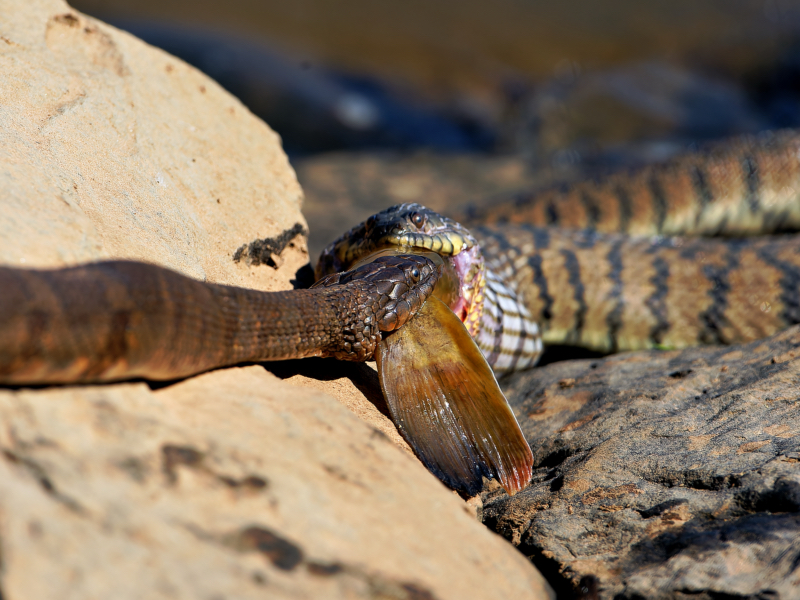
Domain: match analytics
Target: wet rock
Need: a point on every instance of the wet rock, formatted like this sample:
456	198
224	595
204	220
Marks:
662	474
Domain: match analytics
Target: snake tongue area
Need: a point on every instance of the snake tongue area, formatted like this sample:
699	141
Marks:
445	401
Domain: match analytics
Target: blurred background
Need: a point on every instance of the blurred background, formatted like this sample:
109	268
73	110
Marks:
458	103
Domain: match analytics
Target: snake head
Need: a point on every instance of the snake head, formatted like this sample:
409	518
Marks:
380	296
404	227
413	228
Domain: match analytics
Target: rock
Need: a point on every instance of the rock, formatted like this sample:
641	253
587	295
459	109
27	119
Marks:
111	148
633	113
662	474
314	109
354	385
233	483
457	48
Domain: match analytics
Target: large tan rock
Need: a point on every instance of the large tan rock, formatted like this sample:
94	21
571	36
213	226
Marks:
231	484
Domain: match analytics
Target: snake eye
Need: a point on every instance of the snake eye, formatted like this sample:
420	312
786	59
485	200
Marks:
417	219
415	273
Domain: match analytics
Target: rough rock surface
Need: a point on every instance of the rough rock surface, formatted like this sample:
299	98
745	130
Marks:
233	483
355	385
662	474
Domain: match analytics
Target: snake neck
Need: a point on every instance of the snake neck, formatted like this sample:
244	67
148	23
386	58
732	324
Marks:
507	334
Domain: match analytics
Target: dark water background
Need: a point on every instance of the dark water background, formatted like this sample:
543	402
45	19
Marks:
452	103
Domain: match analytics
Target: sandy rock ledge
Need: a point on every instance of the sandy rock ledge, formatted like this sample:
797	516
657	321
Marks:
228	485
233	484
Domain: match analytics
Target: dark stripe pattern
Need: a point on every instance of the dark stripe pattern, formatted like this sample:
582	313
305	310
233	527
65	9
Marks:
578	293
752	183
659	203
625	208
592	209
614	317
790	284
701	189
714	319
541	240
657	302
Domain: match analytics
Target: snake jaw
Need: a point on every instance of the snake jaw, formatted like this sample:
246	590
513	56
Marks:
439	387
450	244
414	228
403	226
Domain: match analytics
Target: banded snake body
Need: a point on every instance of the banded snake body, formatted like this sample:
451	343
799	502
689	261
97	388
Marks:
617	263
121	319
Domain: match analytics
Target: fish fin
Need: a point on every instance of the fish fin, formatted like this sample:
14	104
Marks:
446	403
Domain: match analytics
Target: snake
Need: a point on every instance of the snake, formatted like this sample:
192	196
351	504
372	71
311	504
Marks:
694	250
611	264
116	320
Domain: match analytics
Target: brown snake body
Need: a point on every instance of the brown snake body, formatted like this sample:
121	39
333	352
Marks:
120	320
588	265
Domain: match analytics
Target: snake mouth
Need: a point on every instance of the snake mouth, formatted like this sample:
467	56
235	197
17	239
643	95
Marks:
448	243
403	226
415	229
